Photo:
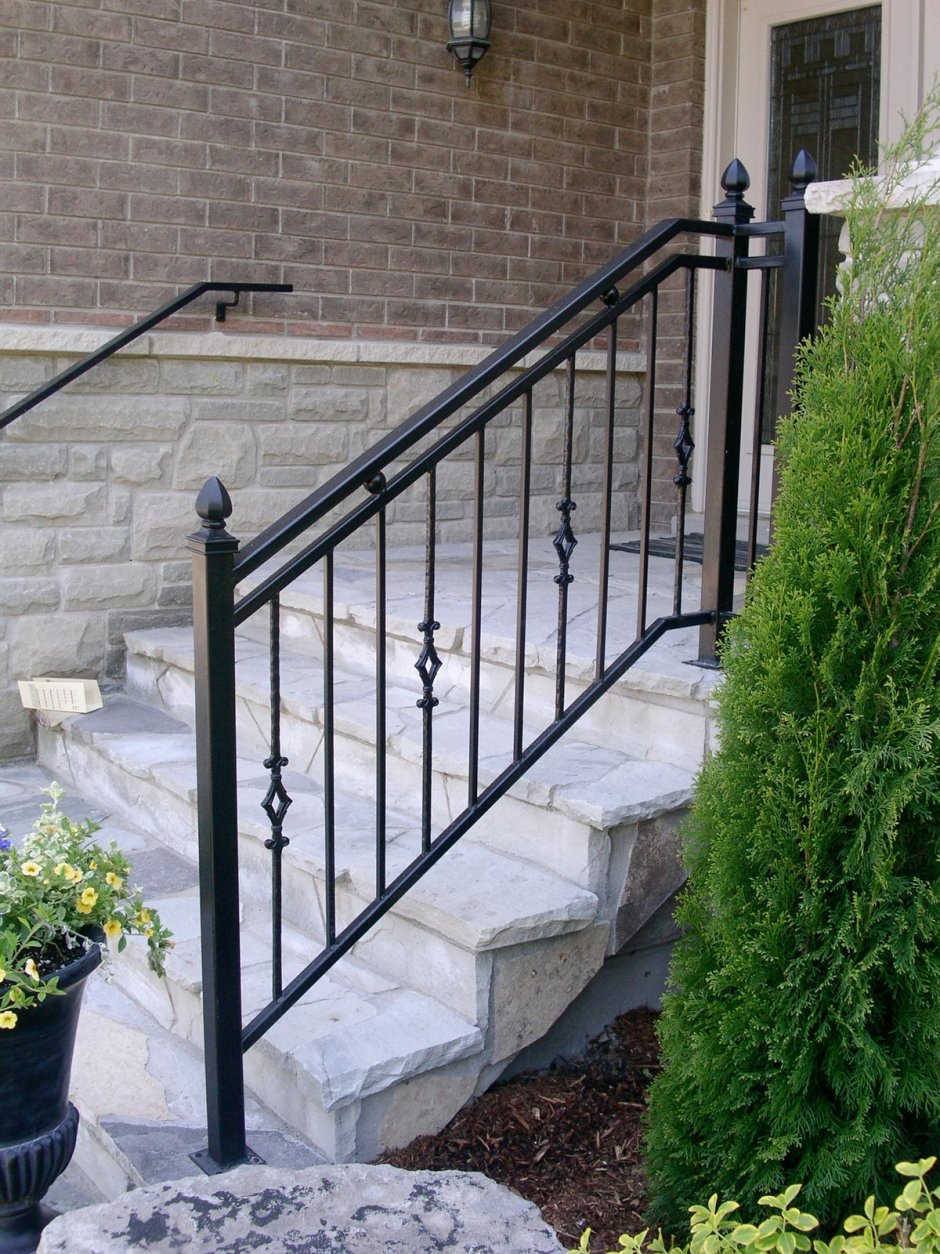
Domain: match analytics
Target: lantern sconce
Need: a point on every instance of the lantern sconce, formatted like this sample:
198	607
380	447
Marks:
469	24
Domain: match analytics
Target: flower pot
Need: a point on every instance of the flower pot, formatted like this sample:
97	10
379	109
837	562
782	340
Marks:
38	1124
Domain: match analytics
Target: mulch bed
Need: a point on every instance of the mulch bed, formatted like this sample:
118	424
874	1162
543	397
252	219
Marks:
568	1138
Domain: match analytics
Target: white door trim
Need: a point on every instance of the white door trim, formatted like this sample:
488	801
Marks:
737	45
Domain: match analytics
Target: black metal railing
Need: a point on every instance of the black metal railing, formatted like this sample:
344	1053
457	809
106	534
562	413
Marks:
131	333
361	496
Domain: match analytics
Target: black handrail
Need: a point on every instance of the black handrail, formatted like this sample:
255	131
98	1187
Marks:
131	333
533	336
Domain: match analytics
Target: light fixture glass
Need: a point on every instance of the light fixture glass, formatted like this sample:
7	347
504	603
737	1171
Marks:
469	22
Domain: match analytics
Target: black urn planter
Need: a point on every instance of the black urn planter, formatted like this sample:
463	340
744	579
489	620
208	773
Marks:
38	1124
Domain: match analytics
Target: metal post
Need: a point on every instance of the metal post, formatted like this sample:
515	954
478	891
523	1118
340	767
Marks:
213	551
798	281
724	414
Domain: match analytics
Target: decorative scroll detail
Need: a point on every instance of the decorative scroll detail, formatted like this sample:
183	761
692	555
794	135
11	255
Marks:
276	792
428	664
684	445
565	541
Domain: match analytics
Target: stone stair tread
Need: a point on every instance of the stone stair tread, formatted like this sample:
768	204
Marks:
599	786
665	671
353	1034
479	898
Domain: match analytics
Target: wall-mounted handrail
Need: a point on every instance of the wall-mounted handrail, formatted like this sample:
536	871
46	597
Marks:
131	333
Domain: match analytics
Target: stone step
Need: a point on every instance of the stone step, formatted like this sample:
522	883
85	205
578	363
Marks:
141	1129
451	937
659	709
598	798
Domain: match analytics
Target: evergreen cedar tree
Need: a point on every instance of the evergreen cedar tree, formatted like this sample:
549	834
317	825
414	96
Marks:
801	1038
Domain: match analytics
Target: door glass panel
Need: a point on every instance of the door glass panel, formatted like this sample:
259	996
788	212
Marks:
825	80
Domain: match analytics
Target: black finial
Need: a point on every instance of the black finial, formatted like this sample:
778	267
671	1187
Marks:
376	483
735	181
803	171
213	504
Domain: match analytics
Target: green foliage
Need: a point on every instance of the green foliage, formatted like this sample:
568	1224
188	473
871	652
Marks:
60	884
802	1036
915	1225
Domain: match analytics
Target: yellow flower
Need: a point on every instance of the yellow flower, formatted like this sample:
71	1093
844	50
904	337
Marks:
72	874
31	970
93	865
62	868
31	868
114	880
142	916
148	932
112	929
83	907
7	1019
3	974
88	897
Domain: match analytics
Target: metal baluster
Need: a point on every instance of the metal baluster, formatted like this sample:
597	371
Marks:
476	620
684	446
767	278
276	801
329	761
523	573
603	578
646	495
564	543
428	664
380	737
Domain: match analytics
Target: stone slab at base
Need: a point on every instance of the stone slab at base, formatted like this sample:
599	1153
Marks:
352	1209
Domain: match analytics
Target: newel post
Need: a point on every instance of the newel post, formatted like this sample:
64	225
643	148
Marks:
213	551
723	454
798	280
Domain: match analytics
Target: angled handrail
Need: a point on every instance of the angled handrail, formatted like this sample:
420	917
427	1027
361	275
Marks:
131	333
533	336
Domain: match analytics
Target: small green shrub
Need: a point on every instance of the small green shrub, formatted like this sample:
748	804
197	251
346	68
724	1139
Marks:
800	1038
914	1225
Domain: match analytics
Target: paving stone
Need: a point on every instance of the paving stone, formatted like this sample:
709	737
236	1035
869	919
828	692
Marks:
353	1209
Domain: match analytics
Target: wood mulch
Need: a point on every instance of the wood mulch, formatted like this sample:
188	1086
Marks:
568	1138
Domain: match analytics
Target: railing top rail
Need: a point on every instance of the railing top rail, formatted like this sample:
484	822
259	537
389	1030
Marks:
277	580
131	333
397	443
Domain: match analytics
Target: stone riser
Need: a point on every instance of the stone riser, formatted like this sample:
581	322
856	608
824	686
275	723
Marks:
665	726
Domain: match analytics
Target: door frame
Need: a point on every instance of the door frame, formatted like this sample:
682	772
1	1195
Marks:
910	39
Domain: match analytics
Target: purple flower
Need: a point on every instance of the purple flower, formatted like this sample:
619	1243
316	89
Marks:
4	843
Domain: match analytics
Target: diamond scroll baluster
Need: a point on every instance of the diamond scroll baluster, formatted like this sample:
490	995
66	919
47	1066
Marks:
276	793
428	665
565	540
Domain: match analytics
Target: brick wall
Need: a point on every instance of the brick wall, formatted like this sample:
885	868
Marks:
328	143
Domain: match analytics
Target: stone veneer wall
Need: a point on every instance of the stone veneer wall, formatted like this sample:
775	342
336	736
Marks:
97	485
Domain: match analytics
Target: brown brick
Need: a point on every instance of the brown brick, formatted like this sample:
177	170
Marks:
141	119
178	209
38	290
230	102
202	69
46	107
70	80
91	262
219	14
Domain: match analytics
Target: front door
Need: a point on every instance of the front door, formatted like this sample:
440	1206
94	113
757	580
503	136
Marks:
823	90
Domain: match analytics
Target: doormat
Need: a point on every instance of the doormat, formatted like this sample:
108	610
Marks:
665	546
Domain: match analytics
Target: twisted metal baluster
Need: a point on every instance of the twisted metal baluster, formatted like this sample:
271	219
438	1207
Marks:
603	578
522	575
646	494
428	665
476	620
278	794
685	447
329	755
564	543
